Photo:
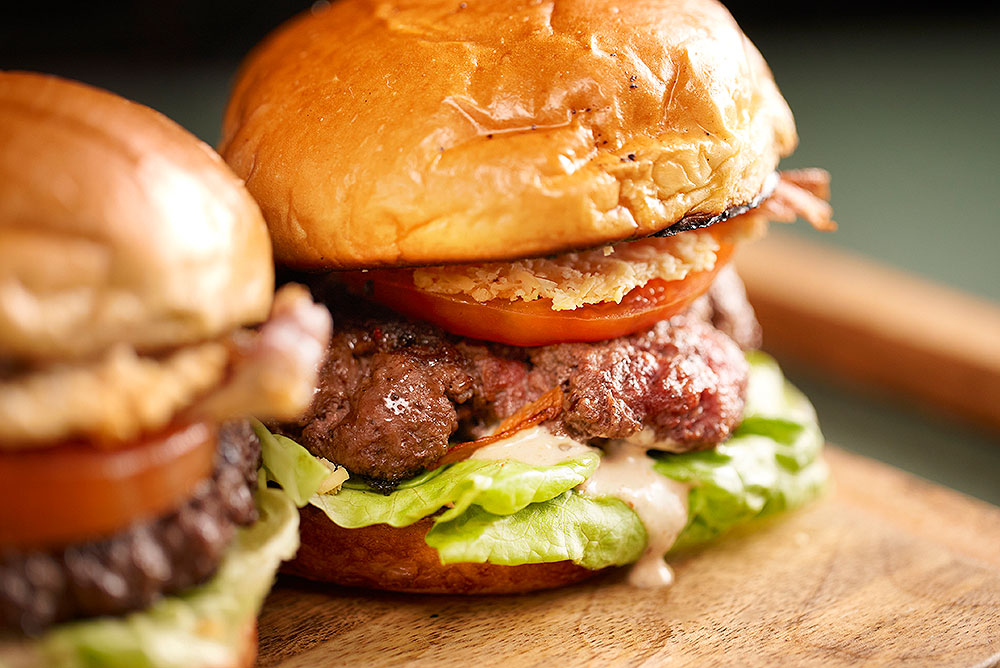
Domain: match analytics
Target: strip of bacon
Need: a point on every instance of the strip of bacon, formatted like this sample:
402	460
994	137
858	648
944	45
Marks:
801	193
272	373
542	409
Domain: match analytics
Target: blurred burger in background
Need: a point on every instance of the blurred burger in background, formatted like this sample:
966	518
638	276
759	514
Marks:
132	266
521	214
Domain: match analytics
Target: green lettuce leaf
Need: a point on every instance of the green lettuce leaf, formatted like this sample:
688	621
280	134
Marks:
290	465
202	627
497	487
594	533
770	464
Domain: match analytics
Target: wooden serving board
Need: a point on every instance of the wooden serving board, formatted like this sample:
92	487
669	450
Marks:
886	570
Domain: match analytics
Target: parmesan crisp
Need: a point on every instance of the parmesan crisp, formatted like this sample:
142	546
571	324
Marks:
572	280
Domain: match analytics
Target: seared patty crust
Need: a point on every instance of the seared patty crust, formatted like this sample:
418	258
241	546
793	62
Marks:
134	567
393	393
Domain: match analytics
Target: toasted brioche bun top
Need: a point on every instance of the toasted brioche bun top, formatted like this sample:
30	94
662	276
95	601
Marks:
433	131
117	226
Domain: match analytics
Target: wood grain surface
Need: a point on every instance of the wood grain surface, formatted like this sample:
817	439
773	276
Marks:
850	317
886	570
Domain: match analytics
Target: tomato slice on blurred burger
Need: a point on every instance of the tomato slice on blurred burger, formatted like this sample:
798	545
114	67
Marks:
535	323
75	492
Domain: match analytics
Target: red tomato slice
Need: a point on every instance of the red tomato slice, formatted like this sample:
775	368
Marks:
75	492
534	323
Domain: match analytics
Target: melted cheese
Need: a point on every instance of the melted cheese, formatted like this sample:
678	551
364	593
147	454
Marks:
626	472
536	446
647	439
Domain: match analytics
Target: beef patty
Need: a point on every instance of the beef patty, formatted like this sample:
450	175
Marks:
131	569
393	393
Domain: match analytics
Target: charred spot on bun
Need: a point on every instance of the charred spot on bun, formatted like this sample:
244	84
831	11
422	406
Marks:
139	332
521	216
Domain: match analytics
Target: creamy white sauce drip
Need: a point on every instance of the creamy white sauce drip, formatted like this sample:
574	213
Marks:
626	472
536	446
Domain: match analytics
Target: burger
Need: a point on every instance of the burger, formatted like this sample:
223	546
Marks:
138	331
521	214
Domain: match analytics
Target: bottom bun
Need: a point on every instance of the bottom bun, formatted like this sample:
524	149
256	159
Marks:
398	559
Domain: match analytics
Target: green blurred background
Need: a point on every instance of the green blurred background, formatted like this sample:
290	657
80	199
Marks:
900	106
903	111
